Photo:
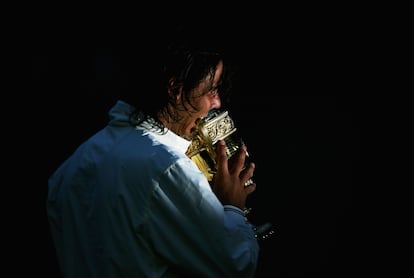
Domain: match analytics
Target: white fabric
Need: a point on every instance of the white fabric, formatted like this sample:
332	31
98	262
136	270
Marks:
130	203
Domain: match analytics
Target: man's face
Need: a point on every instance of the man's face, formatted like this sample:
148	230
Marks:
203	98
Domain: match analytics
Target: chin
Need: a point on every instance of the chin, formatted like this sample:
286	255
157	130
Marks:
190	130
192	127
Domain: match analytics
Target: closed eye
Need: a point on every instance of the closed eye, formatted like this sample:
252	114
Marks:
213	92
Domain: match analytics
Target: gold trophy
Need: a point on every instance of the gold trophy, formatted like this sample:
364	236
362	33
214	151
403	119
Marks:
218	125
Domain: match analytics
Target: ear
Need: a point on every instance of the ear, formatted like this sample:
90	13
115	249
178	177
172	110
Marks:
174	89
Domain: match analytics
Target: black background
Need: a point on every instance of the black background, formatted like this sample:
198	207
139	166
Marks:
295	110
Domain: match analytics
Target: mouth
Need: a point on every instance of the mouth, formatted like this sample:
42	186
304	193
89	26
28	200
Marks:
200	120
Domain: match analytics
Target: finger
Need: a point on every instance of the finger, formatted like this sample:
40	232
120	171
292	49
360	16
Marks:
238	160
247	173
249	189
221	156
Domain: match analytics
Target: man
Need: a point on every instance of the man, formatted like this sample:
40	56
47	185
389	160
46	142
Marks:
129	202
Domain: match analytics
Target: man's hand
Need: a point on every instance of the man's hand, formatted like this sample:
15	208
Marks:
229	181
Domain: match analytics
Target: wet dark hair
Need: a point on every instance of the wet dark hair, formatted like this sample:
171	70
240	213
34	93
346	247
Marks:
186	60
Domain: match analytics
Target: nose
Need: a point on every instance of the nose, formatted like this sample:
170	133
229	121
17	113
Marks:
216	102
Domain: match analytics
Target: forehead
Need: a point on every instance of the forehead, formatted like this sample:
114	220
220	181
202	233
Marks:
217	74
212	80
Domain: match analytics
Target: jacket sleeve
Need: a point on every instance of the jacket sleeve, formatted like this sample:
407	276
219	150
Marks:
192	230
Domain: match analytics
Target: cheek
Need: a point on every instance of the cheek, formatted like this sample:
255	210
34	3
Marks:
201	106
204	109
205	104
